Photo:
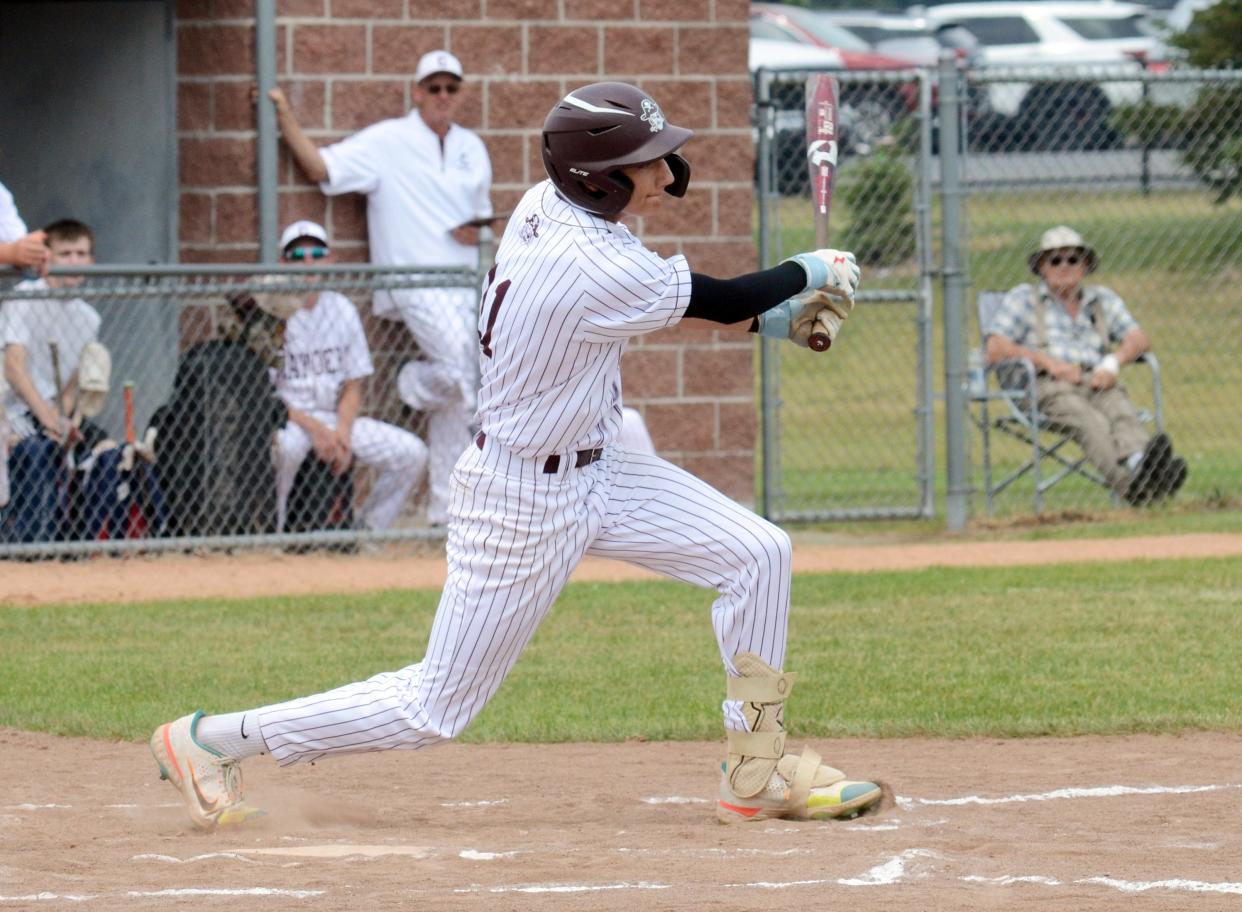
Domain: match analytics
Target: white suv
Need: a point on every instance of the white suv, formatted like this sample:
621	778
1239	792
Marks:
1099	37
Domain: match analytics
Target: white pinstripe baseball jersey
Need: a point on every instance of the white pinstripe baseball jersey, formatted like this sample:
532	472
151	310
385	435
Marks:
324	347
568	291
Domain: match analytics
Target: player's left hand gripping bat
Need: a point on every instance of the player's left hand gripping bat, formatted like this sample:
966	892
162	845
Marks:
821	157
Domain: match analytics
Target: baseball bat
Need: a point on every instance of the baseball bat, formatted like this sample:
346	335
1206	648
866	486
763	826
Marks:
134	523
54	350
821	157
129	412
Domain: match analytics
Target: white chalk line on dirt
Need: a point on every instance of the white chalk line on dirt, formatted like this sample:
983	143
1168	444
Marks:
176	891
566	888
910	864
888	872
675	799
1107	791
210	856
902	801
1125	886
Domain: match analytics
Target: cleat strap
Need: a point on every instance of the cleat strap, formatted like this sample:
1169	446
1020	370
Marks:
769	745
760	690
800	785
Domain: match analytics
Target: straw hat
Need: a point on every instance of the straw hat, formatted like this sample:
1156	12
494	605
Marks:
1059	238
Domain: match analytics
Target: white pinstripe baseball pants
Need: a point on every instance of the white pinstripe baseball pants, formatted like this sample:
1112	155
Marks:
515	537
444	383
396	454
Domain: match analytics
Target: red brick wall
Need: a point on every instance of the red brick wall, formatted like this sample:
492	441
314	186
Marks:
347	63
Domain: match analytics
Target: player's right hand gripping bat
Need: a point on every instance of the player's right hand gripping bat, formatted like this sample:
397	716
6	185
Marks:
821	157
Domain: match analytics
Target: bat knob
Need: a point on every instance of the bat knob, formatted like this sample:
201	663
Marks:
819	342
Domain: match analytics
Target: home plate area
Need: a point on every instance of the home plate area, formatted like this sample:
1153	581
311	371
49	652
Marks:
1095	823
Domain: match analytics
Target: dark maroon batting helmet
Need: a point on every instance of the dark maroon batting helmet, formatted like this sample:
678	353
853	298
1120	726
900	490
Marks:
595	131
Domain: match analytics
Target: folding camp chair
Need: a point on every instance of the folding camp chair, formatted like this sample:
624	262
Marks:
1010	385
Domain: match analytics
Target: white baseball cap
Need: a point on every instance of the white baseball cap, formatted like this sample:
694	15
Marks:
94	379
301	229
437	62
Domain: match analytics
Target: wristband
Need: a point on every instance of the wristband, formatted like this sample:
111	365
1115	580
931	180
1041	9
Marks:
776	323
1110	364
816	269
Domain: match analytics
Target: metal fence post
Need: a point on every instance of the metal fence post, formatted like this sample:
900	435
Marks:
265	77
958	487
769	356
923	227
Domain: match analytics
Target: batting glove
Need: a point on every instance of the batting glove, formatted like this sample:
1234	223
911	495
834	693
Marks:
835	272
795	318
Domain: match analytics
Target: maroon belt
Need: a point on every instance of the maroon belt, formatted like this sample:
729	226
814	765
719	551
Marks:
552	464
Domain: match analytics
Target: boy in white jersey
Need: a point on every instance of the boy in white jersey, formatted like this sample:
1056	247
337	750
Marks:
326	360
38	422
425	177
546	484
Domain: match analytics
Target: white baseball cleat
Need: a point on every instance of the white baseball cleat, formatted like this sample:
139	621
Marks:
209	782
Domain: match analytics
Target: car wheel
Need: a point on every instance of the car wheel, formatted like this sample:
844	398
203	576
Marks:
1064	116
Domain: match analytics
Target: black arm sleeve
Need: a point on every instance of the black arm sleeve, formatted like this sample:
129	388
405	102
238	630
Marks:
747	296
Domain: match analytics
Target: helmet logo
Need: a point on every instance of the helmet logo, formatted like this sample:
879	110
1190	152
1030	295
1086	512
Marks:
579	172
652	115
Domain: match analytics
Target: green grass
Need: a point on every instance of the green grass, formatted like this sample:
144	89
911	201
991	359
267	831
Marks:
1147	646
848	437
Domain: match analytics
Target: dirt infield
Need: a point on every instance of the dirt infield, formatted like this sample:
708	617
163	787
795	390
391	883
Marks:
1087	824
1090	824
253	574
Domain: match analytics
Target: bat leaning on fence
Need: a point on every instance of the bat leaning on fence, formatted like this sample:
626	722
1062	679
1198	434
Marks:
821	156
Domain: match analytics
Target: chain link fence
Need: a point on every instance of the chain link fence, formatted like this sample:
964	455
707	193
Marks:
1146	166
162	408
850	435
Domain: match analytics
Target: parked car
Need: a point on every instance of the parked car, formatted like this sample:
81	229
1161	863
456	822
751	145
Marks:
910	37
1101	39
870	108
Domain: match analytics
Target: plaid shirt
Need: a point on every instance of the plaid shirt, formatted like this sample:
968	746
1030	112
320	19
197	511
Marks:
1072	339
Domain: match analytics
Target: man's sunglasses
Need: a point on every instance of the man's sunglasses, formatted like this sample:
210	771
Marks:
1072	259
306	253
436	88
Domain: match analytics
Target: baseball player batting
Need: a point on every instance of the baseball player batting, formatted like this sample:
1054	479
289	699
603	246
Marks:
545	483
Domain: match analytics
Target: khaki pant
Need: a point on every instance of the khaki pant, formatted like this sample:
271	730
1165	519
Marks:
1105	423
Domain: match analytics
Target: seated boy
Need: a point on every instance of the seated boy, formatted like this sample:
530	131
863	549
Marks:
41	339
325	360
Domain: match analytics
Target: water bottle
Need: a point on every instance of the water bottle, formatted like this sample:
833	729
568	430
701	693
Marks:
976	379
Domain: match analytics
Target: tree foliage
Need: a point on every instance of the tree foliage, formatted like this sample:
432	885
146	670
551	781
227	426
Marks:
1214	37
880	196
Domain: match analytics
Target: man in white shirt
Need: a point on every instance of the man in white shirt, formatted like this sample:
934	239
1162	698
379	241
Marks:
425	178
326	359
24	249
19	247
39	422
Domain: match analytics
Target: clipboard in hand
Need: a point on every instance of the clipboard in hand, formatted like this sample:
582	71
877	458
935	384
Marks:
484	220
